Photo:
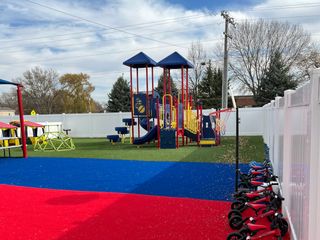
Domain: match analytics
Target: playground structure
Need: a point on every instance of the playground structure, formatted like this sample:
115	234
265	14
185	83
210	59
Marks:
8	140
31	130
46	136
170	120
53	138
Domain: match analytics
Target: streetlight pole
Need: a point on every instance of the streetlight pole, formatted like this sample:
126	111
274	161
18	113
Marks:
228	19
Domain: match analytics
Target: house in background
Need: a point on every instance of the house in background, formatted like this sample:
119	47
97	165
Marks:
5	111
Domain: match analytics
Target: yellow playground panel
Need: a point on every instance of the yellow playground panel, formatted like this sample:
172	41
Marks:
8	135
8	138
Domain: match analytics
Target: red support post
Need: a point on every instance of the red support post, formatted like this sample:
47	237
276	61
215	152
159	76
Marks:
164	90
132	107
187	87
137	76
177	122
23	132
147	99
169	82
198	127
182	87
218	134
200	120
183	103
152	76
158	120
164	82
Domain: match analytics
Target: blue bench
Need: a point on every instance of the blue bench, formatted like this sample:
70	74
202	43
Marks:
113	138
128	121
122	130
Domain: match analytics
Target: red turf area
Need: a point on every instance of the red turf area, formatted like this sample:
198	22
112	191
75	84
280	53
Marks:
43	214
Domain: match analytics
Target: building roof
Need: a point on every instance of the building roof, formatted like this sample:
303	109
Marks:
174	61
140	60
6	109
27	124
6	126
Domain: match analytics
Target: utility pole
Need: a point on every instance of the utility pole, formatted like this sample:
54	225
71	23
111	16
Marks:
228	19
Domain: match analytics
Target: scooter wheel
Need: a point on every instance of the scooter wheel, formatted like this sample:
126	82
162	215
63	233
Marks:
236	222
238	205
235	236
234	213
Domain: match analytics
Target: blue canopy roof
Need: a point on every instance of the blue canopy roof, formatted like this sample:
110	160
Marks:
140	60
8	82
174	61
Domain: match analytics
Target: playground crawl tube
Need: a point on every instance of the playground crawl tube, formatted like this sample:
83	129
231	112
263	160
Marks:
151	135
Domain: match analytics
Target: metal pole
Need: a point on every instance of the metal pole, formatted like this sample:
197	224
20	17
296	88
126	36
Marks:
158	123
147	98
152	81
22	128
137	76
224	100
237	149
132	107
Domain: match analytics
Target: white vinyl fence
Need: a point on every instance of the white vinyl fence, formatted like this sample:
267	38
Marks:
102	124
292	131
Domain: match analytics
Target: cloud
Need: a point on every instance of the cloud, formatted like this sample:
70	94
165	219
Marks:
35	36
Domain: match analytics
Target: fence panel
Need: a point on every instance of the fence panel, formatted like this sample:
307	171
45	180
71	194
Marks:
292	131
102	124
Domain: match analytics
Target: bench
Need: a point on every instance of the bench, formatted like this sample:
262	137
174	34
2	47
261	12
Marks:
113	138
8	147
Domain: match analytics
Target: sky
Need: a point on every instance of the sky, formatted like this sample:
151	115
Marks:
97	36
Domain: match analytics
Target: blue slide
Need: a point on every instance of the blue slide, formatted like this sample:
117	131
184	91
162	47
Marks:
152	134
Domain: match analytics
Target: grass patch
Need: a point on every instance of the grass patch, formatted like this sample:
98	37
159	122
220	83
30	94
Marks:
250	148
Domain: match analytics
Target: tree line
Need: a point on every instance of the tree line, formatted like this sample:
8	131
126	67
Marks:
47	93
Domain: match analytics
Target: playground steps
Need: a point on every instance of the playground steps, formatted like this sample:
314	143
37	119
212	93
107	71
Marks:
122	131
168	138
113	138
207	142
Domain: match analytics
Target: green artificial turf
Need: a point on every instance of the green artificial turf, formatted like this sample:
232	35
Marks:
250	148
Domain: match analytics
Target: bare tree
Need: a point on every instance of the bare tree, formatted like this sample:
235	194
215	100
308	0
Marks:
40	89
253	44
9	99
308	61
197	56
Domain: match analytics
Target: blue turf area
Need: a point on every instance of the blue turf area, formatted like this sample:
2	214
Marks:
177	179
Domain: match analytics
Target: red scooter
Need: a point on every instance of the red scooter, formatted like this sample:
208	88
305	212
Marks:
279	228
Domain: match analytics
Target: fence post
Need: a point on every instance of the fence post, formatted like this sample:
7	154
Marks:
285	184
276	141
314	205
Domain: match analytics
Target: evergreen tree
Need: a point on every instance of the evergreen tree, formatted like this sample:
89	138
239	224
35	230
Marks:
210	87
275	81
119	97
159	88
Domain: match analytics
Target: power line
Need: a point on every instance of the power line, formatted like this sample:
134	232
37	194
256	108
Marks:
100	24
136	26
301	5
266	18
183	44
45	44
